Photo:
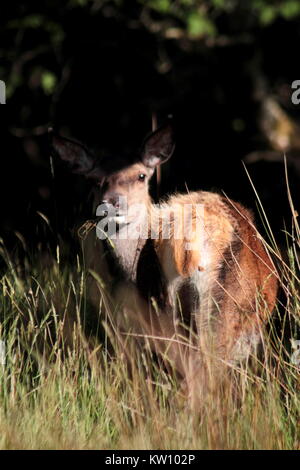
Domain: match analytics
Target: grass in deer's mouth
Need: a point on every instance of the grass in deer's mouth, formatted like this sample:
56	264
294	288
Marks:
89	400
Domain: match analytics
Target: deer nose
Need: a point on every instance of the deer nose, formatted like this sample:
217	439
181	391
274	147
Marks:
114	200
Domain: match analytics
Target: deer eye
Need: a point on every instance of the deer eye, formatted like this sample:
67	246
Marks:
142	177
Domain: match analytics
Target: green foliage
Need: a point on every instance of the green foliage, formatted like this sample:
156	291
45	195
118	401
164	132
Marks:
200	16
196	20
48	81
289	9
267	15
269	11
163	6
200	25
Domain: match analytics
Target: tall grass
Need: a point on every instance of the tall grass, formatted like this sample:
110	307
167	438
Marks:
71	396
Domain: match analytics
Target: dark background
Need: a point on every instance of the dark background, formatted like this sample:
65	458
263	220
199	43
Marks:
97	70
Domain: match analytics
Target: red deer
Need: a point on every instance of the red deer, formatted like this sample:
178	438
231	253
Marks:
221	282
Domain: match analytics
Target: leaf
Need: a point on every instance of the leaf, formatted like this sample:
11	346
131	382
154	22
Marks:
267	15
161	5
200	25
290	9
218	3
48	82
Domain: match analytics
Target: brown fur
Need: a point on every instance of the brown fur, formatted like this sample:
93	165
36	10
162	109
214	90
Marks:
243	279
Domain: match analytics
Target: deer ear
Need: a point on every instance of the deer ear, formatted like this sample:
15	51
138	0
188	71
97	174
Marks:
80	160
158	147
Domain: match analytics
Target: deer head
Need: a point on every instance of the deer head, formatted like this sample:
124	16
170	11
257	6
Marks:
120	178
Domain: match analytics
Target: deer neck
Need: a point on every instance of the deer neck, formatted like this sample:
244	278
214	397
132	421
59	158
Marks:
128	243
